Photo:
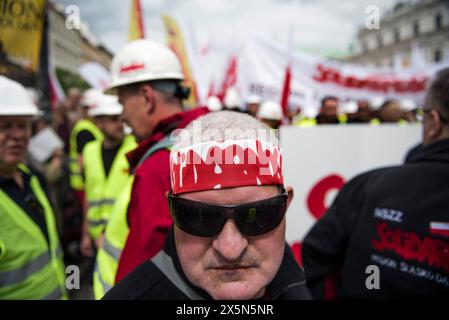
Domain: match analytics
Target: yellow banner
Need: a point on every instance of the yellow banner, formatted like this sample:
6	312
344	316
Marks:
21	28
175	42
136	27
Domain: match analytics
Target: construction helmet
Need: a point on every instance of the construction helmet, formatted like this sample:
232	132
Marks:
106	105
350	106
407	105
214	104
253	99
232	99
15	99
90	98
270	110
143	60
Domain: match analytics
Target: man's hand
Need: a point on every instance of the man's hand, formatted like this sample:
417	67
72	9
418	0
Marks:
86	245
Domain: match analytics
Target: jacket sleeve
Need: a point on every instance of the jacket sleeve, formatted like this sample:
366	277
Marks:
148	215
324	247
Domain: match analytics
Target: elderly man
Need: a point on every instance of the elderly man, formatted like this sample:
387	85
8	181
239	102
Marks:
387	233
228	203
31	265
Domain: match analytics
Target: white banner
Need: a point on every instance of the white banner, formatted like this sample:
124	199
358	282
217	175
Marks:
95	75
262	64
317	161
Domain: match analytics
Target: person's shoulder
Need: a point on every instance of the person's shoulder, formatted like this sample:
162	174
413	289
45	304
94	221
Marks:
367	176
92	146
136	284
146	282
156	164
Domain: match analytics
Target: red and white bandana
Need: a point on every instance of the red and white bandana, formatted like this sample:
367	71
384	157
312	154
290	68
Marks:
219	165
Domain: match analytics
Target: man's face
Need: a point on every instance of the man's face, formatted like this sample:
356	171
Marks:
135	112
330	108
231	265
253	108
111	126
391	113
73	98
15	132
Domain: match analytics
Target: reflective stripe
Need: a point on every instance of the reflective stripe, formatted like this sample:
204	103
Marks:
18	275
59	251
96	223
102	202
165	264
106	287
54	295
111	250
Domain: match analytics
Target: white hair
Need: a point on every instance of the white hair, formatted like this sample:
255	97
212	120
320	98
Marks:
222	126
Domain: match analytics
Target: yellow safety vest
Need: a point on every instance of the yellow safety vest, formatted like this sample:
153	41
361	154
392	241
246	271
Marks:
312	122
116	234
76	178
102	191
30	267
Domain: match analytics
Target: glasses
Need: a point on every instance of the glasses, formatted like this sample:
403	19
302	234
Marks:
420	112
207	220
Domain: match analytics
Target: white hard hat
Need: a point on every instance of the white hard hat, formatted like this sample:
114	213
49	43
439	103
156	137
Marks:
143	60
15	99
311	112
377	102
232	99
90	97
214	104
407	104
270	110
253	99
106	105
349	107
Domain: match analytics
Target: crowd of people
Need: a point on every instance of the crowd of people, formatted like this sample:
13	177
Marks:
153	209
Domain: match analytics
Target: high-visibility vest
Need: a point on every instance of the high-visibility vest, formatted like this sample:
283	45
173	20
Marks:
116	234
312	122
306	122
101	190
30	266
76	178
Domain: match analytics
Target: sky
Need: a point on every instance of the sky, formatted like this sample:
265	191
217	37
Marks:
321	27
324	27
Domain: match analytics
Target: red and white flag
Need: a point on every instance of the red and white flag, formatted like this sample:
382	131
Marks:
439	228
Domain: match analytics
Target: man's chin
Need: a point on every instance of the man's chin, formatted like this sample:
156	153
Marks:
236	291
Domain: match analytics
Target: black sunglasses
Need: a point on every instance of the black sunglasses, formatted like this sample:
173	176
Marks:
207	220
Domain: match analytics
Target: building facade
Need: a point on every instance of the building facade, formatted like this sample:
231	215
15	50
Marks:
70	48
411	31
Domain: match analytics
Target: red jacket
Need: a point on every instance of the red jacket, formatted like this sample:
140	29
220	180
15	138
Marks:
148	217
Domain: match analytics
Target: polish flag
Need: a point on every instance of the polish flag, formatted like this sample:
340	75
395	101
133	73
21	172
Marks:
440	228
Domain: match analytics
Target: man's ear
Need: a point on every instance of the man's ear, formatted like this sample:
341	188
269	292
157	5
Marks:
290	193
148	95
435	124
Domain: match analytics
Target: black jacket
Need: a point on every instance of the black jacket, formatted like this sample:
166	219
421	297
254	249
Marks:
147	282
386	218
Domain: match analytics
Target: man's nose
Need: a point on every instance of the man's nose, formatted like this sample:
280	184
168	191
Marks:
17	132
230	243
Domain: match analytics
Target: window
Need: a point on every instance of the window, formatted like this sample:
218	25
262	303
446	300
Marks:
396	35
380	42
364	47
416	28
437	55
438	21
